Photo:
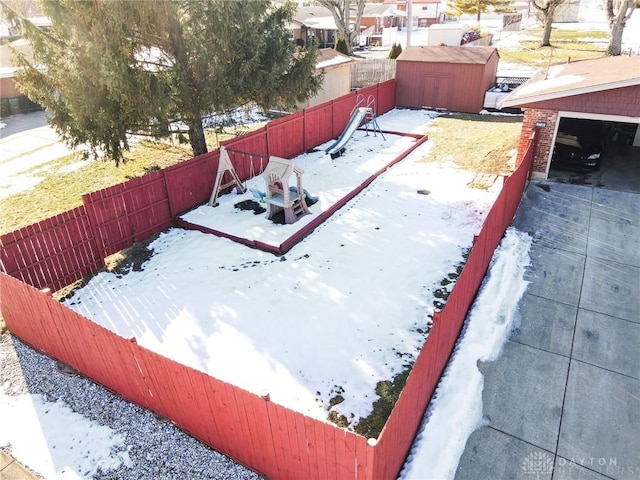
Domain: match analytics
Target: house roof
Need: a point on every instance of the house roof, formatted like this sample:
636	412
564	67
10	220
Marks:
576	78
328	57
403	3
319	18
447	54
379	10
7	68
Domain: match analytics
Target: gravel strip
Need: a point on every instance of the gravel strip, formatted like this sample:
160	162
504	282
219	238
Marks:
158	450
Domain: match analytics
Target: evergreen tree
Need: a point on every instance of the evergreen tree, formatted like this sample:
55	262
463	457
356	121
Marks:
477	7
341	46
396	50
618	12
106	69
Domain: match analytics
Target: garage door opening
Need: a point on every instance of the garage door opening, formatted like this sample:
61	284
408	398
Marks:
601	153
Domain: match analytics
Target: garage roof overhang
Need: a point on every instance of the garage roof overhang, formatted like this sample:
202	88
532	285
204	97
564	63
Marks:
576	78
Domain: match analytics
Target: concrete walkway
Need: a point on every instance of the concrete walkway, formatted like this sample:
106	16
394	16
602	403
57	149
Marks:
12	470
563	399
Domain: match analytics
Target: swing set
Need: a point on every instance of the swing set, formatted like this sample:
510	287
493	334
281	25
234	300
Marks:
226	166
277	173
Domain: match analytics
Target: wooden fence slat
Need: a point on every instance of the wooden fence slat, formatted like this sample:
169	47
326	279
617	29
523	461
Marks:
312	448
295	448
302	444
278	439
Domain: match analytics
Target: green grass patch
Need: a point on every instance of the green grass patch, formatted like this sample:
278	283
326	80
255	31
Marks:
566	45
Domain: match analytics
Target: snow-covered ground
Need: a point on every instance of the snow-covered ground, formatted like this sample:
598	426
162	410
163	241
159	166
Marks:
306	327
456	408
32	426
36	420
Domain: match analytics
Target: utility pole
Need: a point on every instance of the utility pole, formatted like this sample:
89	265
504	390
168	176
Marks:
409	21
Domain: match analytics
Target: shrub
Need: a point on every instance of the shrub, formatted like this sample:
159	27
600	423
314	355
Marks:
396	50
341	46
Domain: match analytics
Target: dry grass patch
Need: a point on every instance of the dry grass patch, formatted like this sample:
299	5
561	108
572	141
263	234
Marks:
478	143
66	179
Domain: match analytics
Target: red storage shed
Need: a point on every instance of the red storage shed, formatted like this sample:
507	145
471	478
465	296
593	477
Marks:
444	77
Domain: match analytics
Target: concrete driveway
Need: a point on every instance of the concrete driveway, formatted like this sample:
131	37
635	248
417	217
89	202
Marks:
27	144
563	399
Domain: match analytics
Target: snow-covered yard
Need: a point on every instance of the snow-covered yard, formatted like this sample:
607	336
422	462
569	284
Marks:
343	310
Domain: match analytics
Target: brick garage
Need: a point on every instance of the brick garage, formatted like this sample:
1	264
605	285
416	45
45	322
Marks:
606	89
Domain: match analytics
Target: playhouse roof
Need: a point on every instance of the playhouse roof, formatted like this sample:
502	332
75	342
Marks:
281	167
447	54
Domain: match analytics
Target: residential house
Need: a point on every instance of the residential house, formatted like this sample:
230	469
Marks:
425	12
602	93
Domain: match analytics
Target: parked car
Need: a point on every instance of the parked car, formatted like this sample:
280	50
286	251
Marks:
578	151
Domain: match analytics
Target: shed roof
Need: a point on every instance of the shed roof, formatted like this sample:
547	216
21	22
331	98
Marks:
576	78
447	54
329	57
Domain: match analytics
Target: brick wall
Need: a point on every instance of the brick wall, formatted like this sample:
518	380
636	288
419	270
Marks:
545	138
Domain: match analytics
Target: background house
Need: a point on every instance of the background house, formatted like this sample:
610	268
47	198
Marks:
444	77
380	24
12	100
314	25
424	12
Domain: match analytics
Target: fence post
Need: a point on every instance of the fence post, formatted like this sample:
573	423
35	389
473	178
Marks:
92	227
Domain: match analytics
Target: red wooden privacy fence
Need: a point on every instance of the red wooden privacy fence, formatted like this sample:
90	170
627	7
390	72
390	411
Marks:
60	250
273	440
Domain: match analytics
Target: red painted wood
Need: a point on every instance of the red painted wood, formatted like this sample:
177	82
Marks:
260	434
318	126
296	448
254	142
302	441
286	135
342	108
614	101
190	183
461	86
312	448
52	253
279	437
128	212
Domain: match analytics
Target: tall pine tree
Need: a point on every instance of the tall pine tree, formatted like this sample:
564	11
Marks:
106	69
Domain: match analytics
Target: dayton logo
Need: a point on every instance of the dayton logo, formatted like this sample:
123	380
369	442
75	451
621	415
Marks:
538	463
